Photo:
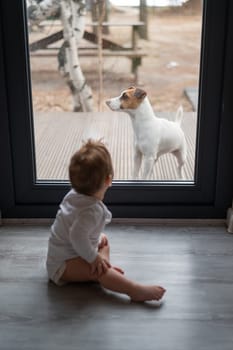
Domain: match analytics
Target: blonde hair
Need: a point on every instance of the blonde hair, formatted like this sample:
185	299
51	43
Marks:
89	167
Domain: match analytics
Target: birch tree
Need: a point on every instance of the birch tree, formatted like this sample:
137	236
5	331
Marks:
73	22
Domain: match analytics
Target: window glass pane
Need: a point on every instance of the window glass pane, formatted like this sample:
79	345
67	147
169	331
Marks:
153	46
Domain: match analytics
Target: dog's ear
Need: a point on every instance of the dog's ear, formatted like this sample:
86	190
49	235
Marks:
139	93
131	88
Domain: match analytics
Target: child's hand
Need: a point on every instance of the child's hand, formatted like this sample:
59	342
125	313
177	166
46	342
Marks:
99	266
103	241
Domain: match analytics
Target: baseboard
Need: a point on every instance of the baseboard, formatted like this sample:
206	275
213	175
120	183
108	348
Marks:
28	222
171	222
128	221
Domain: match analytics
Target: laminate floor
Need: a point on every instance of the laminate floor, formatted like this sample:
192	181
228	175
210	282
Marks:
195	264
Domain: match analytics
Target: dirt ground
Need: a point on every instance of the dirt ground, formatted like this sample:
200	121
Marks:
171	64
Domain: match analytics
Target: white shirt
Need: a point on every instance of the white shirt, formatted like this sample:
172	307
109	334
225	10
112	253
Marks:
76	230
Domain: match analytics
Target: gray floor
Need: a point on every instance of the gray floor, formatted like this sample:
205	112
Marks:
195	264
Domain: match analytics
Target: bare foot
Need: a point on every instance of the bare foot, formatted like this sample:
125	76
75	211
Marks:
147	293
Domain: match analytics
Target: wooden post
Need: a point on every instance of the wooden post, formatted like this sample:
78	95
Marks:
97	8
101	17
143	30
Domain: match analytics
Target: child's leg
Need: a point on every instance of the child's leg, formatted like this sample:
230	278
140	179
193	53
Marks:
78	270
105	252
117	282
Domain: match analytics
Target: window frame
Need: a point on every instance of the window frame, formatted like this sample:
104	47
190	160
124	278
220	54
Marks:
211	191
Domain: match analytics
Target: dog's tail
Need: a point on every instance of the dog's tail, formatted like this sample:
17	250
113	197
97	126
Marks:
179	115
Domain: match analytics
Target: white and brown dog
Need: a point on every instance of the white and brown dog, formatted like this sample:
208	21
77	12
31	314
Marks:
153	136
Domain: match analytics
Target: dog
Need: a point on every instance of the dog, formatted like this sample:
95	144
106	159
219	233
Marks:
153	136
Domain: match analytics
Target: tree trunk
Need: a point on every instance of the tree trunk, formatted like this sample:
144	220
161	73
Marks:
73	20
72	15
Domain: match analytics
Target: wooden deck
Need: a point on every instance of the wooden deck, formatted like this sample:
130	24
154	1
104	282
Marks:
59	134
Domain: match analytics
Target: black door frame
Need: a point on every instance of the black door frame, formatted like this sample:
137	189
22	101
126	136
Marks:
209	196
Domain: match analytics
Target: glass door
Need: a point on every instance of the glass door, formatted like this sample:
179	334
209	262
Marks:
70	57
160	57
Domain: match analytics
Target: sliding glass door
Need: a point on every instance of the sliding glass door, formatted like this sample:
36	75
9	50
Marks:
58	82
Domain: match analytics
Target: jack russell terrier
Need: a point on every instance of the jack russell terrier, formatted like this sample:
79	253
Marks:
153	136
